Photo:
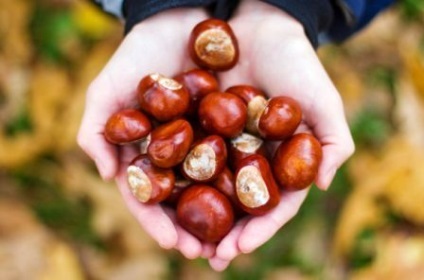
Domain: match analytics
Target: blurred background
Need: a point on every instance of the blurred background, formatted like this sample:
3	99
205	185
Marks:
59	220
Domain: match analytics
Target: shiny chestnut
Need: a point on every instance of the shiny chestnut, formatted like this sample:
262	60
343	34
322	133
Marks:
170	143
199	83
296	161
243	146
280	118
147	182
223	113
256	190
126	126
213	45
205	160
205	212
256	102
180	185
163	98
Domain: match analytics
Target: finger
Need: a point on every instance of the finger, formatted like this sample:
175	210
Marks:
187	244
260	229
91	133
218	264
333	132
208	250
152	218
228	248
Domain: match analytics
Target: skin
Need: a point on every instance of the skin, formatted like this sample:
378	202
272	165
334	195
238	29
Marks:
275	55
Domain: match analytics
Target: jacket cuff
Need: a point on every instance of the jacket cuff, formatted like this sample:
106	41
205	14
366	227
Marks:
315	15
138	10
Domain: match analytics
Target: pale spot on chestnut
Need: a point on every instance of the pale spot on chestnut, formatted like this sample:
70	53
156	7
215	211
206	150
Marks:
139	183
251	188
247	143
200	163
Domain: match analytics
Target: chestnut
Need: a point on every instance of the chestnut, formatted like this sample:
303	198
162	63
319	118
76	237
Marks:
243	146
126	126
280	118
205	212
296	161
256	189
149	183
256	102
205	160
163	98
181	184
225	184
213	45
170	143
199	83
222	113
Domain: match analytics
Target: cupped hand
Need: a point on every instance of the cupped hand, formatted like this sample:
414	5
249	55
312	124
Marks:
158	44
276	56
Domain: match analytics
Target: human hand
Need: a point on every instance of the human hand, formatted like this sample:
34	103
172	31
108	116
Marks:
276	56
158	44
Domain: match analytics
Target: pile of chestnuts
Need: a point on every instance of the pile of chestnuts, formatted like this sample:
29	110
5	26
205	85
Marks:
202	150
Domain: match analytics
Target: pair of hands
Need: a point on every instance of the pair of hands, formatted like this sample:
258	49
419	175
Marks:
275	56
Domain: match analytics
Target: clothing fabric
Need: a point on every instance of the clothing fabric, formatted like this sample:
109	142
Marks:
334	20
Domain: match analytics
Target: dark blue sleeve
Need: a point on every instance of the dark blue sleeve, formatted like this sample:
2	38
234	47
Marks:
336	20
350	16
137	10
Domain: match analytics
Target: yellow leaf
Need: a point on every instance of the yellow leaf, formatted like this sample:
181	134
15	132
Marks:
92	21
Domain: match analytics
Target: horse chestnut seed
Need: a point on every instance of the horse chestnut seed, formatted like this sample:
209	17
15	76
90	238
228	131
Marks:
126	126
296	161
280	118
225	184
213	45
198	83
256	189
223	113
147	182
205	160
256	102
205	212
163	98
170	143
243	146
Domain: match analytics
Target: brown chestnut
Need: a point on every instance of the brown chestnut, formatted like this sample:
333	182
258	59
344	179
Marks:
243	146
225	184
205	212
222	113
198	83
181	184
163	98
296	161
256	102
170	143
280	118
257	192
126	126
205	160
149	183
213	45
